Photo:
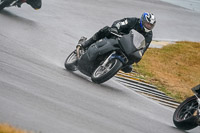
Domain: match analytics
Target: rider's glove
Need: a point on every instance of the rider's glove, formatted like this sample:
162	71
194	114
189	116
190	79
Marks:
113	29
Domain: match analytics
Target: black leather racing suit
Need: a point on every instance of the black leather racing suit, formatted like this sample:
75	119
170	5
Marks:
123	26
36	4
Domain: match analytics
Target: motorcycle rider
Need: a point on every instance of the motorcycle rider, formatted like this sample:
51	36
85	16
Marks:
36	4
143	25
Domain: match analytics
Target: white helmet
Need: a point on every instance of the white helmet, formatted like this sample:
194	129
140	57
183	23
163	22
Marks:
147	21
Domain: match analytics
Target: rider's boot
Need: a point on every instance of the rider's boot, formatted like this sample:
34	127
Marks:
88	42
84	43
82	40
97	36
79	47
20	2
127	69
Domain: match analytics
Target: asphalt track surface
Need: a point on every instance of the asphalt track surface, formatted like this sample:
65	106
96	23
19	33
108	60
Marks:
38	94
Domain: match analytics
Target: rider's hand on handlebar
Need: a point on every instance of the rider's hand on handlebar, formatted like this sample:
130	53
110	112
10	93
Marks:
113	29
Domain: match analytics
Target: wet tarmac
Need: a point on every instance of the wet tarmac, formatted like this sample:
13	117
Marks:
38	94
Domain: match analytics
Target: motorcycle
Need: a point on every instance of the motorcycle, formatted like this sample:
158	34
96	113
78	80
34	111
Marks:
187	114
104	58
8	3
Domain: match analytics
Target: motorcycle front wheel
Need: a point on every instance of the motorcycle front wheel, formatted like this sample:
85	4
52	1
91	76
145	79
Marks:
5	3
104	73
71	62
185	115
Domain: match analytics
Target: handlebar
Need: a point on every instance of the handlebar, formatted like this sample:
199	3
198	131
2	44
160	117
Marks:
116	34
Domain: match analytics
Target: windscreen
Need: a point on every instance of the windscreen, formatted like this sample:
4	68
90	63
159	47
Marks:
132	42
138	39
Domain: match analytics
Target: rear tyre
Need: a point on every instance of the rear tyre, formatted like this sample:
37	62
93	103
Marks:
71	62
5	3
102	74
184	117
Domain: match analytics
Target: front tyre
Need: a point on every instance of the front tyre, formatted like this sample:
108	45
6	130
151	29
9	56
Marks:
104	73
184	117
71	62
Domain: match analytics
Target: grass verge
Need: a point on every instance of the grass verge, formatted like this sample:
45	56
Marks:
174	68
5	128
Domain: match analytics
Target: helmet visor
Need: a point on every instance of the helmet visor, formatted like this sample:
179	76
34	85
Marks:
149	26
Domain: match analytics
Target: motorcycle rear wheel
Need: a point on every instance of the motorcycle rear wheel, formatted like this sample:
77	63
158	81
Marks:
184	117
70	62
102	74
5	3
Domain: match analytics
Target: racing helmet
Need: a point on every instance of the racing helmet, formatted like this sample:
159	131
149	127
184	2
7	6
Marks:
147	21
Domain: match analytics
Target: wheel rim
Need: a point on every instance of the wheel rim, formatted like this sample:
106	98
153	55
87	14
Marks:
101	70
72	58
187	110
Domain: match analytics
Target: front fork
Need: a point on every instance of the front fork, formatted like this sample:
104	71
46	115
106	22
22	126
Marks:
106	61
196	91
198	110
113	55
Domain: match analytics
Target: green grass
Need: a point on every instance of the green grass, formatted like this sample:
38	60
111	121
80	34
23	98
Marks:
174	69
5	128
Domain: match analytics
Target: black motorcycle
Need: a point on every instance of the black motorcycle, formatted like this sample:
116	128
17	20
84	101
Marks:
187	115
8	3
103	59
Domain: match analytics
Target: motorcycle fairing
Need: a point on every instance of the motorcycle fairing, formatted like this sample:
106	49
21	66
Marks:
101	47
135	57
85	66
115	56
132	42
86	62
196	89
